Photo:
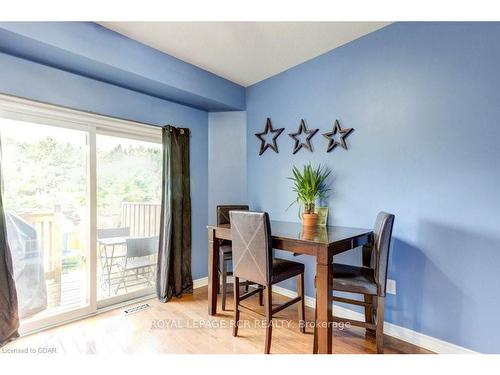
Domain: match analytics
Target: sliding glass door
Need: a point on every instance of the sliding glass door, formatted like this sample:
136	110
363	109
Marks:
81	194
45	196
128	217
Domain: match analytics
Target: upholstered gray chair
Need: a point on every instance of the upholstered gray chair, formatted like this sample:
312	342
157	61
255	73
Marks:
253	260
369	280
226	252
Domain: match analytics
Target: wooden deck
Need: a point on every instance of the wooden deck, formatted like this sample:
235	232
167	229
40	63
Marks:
72	293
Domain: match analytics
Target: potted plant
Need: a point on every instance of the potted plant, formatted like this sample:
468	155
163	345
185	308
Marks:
309	185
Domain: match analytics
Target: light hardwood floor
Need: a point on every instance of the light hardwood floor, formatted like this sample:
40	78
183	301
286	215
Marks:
147	332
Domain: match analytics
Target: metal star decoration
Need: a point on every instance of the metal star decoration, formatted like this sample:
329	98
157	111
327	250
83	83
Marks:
332	143
263	143
298	144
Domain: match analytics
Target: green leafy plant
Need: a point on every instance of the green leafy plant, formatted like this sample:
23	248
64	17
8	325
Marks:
309	185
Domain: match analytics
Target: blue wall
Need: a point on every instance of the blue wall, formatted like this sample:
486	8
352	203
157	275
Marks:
424	101
227	160
38	82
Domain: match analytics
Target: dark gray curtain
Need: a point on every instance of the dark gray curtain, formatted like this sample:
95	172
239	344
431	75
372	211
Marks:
173	277
9	317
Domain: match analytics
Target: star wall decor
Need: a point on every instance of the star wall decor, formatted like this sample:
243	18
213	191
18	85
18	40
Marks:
298	144
342	134
264	145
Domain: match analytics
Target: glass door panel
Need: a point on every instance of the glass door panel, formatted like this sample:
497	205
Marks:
128	217
45	196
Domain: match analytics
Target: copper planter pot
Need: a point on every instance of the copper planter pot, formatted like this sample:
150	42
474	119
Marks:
309	220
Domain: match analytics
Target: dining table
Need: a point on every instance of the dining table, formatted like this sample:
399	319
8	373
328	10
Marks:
322	242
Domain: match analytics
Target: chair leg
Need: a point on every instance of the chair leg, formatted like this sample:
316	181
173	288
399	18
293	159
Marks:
224	284
261	295
268	303
369	311
315	345
302	308
236	290
219	286
379	334
219	272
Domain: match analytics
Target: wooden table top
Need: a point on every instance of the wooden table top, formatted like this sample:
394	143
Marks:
326	235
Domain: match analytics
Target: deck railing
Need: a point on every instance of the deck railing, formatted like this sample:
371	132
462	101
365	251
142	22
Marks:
49	240
143	218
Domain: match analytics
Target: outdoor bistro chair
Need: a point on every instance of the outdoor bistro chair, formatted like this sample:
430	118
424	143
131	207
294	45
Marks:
139	264
110	252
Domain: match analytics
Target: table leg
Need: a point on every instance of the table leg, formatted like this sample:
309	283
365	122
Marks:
324	306
213	271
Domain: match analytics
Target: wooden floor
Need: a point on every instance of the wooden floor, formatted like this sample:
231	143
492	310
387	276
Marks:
184	326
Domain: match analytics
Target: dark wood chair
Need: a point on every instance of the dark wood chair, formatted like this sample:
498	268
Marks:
226	253
369	280
253	260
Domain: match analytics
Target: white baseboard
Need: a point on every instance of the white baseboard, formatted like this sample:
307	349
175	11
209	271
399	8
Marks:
198	283
413	337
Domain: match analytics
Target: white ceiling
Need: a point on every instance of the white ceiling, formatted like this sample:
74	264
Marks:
244	52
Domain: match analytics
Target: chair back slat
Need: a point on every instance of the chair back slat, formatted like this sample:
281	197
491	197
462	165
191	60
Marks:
252	246
141	247
382	233
223	212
